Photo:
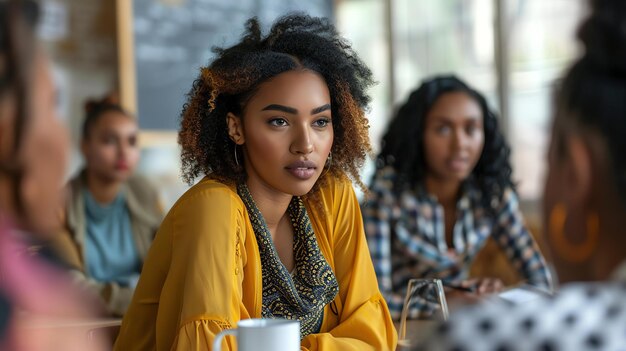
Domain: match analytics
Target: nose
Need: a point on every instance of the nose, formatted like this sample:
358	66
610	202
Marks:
459	139
123	149
302	142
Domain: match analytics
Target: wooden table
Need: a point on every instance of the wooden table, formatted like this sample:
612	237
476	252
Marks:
59	323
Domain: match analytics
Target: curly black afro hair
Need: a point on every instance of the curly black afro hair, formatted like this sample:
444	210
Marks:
295	41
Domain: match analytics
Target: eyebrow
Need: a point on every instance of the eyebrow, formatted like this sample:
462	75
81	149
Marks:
282	108
320	109
293	111
468	118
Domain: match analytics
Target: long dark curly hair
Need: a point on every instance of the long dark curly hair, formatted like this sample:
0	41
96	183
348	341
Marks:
295	41
403	142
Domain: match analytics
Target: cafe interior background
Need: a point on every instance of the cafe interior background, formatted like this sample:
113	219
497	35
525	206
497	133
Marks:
149	52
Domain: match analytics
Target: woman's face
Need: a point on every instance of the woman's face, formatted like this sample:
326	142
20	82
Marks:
44	154
287	133
110	149
453	136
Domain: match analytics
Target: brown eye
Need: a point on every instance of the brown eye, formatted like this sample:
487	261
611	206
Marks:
277	122
321	123
443	130
108	140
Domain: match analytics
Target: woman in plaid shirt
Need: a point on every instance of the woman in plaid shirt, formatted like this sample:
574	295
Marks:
442	188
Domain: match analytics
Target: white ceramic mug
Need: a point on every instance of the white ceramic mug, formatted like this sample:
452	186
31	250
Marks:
263	335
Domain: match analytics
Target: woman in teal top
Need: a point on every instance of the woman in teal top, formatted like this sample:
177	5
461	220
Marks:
111	215
110	252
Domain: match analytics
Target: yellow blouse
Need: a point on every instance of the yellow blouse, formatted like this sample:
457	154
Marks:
203	274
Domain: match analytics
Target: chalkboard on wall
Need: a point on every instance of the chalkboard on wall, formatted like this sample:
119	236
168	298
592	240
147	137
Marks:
173	39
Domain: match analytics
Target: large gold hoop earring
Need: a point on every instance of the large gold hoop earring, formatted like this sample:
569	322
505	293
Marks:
575	253
236	159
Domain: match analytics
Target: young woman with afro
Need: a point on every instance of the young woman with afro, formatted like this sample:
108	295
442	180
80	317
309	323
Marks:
276	127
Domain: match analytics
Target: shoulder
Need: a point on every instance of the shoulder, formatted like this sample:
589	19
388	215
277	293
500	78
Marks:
334	199
205	221
509	195
142	188
72	214
383	179
75	186
381	187
334	192
209	192
143	200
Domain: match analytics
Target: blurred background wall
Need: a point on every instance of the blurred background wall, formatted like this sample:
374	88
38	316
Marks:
150	51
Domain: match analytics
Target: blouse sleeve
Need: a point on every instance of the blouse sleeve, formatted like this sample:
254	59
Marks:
203	288
518	244
363	319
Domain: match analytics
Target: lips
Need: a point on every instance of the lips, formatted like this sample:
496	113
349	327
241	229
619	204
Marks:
122	166
458	164
302	169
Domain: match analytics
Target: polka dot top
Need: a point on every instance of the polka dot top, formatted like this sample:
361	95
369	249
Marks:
583	316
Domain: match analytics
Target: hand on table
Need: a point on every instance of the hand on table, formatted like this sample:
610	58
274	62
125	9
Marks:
484	286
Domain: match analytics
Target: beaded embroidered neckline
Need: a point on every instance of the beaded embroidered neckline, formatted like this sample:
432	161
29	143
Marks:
303	295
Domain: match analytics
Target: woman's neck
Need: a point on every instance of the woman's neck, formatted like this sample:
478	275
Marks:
103	191
447	192
272	205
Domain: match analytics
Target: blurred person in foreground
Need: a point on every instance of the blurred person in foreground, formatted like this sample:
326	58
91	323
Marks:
277	127
111	215
442	188
584	204
33	155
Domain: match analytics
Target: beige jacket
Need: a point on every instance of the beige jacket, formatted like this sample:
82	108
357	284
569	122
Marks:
145	216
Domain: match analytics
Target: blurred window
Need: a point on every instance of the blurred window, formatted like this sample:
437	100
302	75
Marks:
542	44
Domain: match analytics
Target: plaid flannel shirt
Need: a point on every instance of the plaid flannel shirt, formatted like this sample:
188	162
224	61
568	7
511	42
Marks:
406	238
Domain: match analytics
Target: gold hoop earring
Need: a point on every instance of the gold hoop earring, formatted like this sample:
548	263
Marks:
236	159
575	253
329	162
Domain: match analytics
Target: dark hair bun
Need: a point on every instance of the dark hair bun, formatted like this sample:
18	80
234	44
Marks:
603	34
93	105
